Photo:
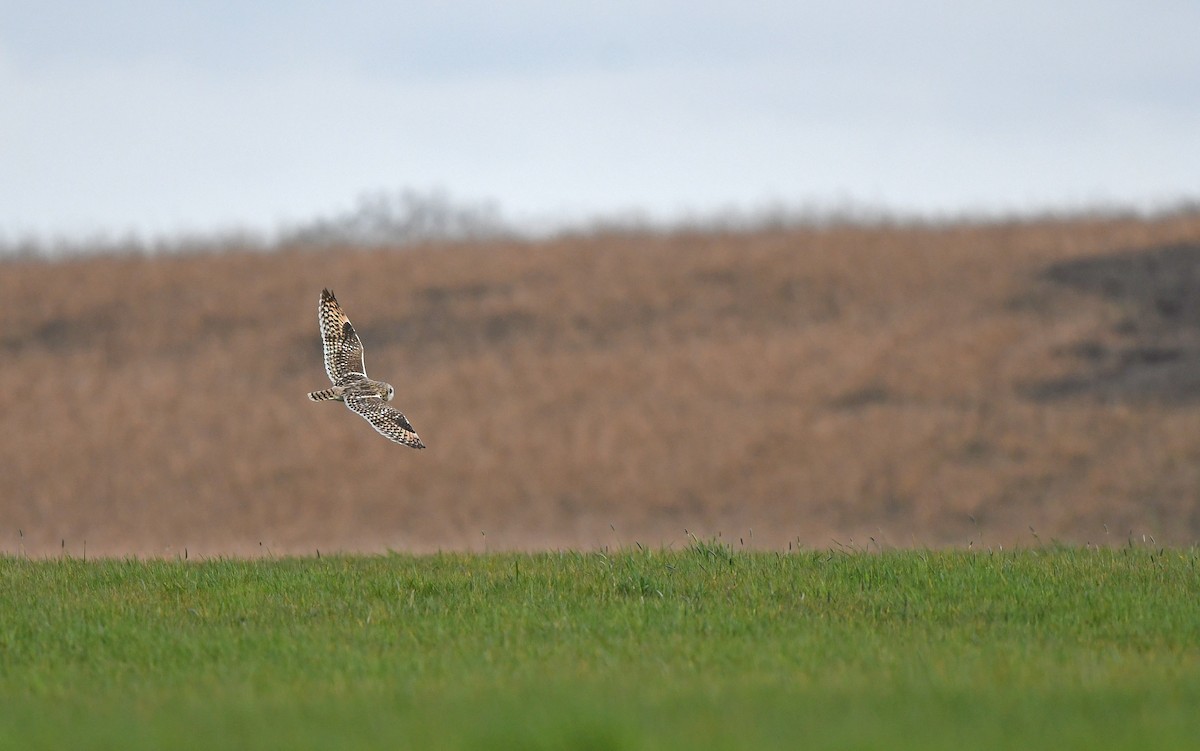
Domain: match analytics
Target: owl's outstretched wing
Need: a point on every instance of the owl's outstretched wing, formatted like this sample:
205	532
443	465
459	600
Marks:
388	420
343	348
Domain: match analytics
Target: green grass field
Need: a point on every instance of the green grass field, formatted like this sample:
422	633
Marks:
700	648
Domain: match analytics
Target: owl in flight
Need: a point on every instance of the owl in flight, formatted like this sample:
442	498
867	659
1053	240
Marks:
345	366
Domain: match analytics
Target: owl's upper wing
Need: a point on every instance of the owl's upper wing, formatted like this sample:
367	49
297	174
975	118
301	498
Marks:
388	420
343	348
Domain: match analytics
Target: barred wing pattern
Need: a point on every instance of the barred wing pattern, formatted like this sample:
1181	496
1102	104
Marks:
388	420
343	348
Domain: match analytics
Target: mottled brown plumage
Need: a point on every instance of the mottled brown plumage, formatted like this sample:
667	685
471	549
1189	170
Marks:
347	370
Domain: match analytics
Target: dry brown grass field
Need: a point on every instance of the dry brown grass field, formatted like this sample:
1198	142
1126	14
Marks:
858	386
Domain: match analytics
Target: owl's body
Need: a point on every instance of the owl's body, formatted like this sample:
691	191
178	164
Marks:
354	386
346	369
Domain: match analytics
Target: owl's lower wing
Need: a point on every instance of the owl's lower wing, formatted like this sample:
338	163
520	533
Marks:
388	420
343	348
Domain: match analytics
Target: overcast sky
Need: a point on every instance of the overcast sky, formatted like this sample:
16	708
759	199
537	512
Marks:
158	117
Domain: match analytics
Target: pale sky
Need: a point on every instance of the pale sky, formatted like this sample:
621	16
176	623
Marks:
160	117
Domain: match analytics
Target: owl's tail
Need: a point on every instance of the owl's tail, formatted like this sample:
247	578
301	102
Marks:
326	394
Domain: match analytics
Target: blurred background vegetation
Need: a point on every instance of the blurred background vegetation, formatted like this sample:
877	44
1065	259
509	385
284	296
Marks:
775	379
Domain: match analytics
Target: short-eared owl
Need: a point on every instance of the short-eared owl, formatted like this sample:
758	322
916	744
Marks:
345	366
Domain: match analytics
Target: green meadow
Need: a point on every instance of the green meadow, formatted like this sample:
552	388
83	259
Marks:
706	647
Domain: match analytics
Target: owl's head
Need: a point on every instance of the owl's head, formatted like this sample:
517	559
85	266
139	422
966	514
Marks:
391	393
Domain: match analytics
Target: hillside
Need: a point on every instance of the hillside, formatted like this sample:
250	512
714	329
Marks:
884	386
